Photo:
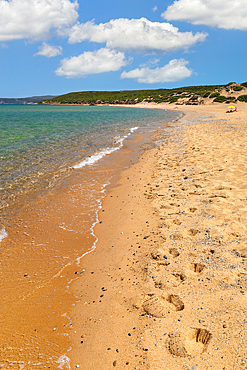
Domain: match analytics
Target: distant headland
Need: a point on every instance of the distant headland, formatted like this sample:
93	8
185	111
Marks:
29	100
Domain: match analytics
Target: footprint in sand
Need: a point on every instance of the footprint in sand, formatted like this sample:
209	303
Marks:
173	252
176	346
194	343
177	236
162	254
162	272
192	232
197	268
159	305
169	279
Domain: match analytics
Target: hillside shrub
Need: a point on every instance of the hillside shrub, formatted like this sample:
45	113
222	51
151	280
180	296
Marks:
242	98
220	99
174	99
230	99
238	88
214	95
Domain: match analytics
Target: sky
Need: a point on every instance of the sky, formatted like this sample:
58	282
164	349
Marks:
52	47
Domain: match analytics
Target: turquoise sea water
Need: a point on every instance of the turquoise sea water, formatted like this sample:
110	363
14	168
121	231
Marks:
40	142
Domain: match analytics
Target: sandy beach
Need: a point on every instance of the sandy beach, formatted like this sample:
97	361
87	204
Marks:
166	286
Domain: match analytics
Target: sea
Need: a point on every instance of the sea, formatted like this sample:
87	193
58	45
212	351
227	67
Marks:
56	165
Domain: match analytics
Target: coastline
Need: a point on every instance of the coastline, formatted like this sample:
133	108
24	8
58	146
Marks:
125	305
47	237
184	201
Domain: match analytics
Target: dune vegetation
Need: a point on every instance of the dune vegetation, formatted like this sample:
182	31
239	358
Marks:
192	95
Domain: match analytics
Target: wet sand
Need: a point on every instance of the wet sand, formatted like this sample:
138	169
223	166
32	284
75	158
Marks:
48	234
166	286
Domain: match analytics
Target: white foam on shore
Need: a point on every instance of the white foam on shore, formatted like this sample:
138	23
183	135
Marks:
102	153
93	225
63	360
120	142
133	129
3	234
95	157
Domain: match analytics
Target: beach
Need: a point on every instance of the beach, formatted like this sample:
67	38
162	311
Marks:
164	286
57	166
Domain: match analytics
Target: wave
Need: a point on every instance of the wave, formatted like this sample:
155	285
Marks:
95	157
99	155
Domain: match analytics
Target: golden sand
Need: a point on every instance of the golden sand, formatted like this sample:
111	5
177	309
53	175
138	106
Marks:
166	286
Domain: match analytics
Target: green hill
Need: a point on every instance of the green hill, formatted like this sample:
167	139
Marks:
192	95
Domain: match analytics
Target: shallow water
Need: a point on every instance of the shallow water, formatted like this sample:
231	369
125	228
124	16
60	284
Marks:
38	143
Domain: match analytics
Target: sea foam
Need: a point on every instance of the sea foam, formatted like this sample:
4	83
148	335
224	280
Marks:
63	360
95	157
3	234
99	155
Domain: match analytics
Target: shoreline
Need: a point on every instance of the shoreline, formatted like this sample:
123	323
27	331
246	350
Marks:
41	255
140	311
106	311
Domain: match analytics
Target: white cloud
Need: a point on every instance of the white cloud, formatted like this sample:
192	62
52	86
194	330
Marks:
155	8
228	14
34	19
140	35
175	70
102	60
150	63
49	51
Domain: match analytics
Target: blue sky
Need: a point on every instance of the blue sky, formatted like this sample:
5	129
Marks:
60	46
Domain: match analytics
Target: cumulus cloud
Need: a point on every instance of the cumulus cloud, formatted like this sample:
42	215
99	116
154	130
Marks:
140	35
102	60
49	51
34	19
175	70
155	8
228	14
